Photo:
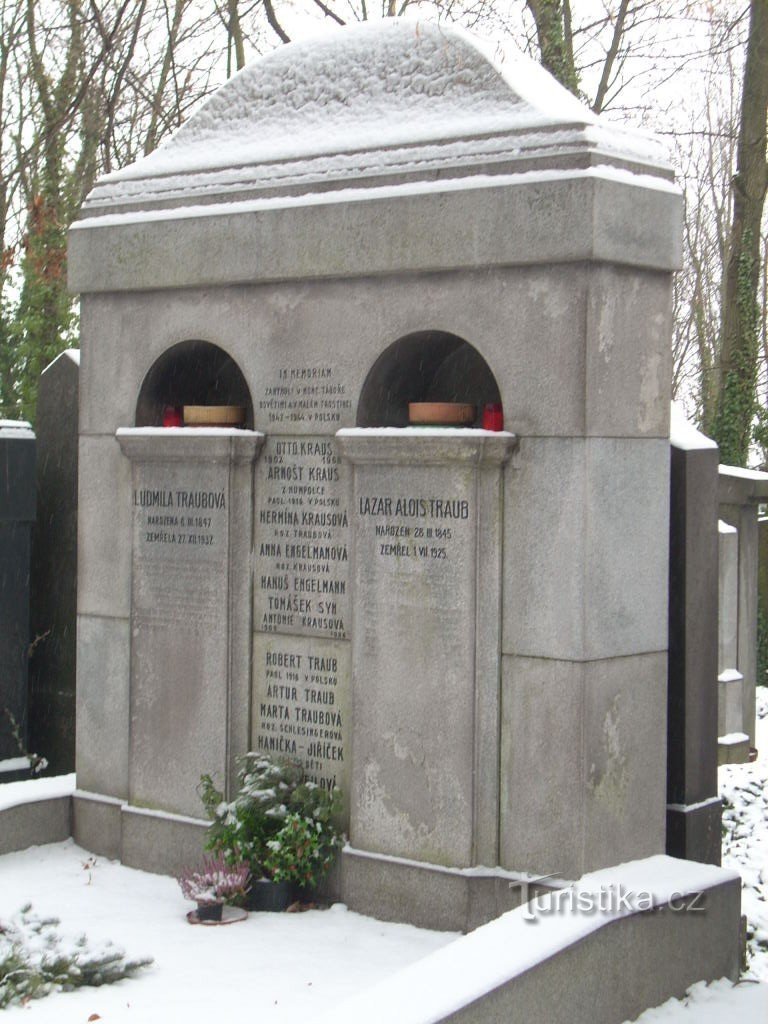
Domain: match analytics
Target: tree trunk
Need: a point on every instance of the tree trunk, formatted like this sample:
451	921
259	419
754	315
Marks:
737	402
553	18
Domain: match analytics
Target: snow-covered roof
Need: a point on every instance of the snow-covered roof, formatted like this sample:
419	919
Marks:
378	103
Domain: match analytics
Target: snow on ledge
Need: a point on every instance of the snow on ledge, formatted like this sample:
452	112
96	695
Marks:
32	790
478	963
683	434
185	432
16	428
403	190
422	432
743	474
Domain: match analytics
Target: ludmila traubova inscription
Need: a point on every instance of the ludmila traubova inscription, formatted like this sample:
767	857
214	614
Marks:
301	705
421	528
177	516
302	539
180	549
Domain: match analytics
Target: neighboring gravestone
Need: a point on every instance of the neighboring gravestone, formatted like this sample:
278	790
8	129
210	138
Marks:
693	805
53	583
17	513
451	625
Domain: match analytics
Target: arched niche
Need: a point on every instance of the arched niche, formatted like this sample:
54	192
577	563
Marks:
192	373
427	366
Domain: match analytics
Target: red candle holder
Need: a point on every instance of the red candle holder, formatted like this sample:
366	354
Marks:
493	416
172	416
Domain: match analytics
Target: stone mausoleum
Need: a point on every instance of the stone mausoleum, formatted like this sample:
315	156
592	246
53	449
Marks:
465	629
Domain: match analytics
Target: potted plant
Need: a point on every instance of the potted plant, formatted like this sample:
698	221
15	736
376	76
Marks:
216	883
282	825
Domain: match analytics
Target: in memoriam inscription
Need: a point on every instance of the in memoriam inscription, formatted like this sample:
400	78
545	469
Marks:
302	539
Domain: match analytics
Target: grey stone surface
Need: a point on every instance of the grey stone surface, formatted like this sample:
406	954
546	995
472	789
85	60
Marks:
162	843
35	823
301	530
418	585
579	516
424	895
103	529
628	356
625	727
693	831
542	766
581	726
521	322
549	291
728	599
301	705
103	713
97	824
668	951
607	220
53	580
190	613
553	964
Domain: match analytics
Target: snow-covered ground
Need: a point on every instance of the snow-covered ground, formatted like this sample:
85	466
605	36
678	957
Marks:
745	848
294	967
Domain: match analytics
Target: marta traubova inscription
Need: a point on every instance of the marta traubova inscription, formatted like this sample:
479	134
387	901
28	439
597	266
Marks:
302	529
300	704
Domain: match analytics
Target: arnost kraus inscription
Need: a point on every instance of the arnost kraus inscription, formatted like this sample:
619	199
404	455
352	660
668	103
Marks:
301	568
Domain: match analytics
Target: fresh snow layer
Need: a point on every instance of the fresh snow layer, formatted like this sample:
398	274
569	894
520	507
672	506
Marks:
387	83
399	98
29	790
280	968
357	194
683	434
185	432
16	429
717	1003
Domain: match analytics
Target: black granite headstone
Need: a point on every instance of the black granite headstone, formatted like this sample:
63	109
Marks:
693	805
54	568
17	512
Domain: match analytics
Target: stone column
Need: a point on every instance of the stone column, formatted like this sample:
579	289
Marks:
693	805
739	493
190	610
426	516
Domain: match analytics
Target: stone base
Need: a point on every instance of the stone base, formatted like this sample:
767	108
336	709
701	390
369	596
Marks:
595	967
139	838
35	823
693	831
733	749
425	895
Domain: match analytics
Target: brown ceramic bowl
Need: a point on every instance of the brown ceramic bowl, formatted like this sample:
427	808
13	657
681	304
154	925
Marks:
214	415
441	414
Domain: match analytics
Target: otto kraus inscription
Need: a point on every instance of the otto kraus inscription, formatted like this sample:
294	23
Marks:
302	528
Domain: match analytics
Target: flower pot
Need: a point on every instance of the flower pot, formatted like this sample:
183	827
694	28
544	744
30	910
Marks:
209	911
270	896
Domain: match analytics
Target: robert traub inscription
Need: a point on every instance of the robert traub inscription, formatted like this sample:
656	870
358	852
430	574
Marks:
300	704
302	528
